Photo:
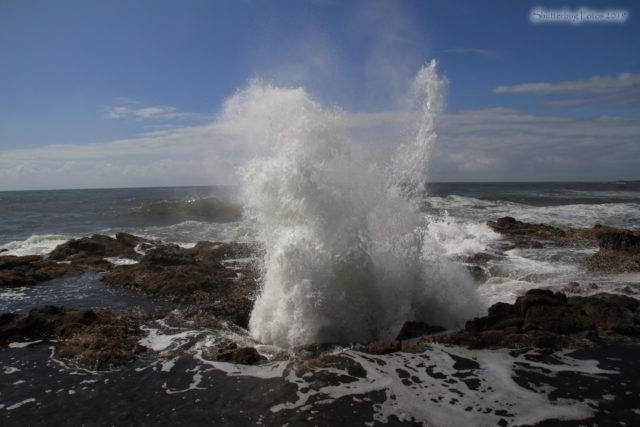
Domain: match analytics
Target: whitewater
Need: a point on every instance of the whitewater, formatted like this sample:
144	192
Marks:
347	256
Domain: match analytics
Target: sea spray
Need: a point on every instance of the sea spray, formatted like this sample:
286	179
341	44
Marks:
347	255
427	99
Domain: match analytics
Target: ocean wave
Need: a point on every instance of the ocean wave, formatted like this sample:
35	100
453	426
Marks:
207	209
35	245
189	232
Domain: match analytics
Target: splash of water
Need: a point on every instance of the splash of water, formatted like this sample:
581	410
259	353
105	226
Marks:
348	258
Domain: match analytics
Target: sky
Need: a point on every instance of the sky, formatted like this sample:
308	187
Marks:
129	93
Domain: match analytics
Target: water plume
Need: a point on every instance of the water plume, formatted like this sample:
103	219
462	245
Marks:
348	255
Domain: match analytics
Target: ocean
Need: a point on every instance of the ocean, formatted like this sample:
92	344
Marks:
174	388
35	222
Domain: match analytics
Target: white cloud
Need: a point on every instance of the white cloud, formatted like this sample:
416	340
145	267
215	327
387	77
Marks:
161	113
596	84
502	144
490	144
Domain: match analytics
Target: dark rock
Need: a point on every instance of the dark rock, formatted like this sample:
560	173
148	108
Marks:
130	240
619	249
539	297
511	226
383	347
527	235
613	261
201	277
478	273
247	356
311	351
542	318
620	240
480	258
92	250
619	252
94	339
70	258
167	255
31	269
228	351
416	329
573	287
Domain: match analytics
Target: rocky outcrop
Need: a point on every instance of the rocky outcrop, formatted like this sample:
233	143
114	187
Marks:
210	279
542	318
231	352
29	270
382	347
619	251
205	277
74	257
414	329
92	251
526	235
93	339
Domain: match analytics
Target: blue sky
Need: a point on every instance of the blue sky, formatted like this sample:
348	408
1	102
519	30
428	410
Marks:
126	93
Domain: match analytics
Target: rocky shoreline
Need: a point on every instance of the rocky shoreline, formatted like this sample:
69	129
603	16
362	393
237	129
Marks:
215	284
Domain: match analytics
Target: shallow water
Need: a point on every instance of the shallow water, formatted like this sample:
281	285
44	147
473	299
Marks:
442	386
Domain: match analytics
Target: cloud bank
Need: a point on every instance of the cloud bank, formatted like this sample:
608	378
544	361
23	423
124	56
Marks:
622	90
163	113
596	84
497	144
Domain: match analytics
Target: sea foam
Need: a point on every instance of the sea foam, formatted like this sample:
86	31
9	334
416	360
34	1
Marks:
348	255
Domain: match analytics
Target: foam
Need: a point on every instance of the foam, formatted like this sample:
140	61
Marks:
121	261
23	344
423	387
21	403
458	237
161	342
35	245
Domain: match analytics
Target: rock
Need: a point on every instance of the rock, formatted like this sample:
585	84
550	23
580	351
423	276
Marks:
201	277
416	329
228	351
91	251
246	356
542	318
480	258
573	288
620	240
70	258
167	255
31	269
312	351
527	235
512	227
478	273
93	339
383	347
619	249
619	252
